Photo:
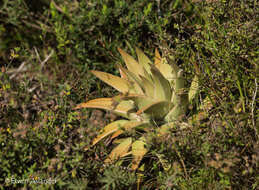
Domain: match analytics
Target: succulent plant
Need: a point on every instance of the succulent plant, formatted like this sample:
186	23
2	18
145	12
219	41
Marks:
153	97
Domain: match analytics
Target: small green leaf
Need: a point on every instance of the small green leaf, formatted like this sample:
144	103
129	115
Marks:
148	9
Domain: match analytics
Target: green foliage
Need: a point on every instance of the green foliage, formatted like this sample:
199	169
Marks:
87	31
46	51
116	178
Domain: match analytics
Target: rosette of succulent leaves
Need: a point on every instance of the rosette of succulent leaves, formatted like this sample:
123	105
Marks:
153	97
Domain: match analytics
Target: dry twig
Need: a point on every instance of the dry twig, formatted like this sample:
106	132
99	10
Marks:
22	68
46	59
252	111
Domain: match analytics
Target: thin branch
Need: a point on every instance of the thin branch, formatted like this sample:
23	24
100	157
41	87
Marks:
37	54
46	28
22	68
252	111
182	162
46	59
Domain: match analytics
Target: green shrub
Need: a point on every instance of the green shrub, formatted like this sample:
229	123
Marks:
41	137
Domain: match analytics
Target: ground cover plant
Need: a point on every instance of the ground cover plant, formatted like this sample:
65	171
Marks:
47	51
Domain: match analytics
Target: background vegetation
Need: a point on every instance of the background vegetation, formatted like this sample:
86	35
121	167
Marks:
46	51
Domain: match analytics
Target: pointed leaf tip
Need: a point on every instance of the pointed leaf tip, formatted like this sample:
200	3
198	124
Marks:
193	89
158	58
132	65
116	82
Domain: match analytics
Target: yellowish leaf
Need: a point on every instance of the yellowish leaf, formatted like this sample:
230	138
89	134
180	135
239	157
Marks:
135	81
138	152
143	60
119	151
147	76
123	75
162	89
177	112
131	63
167	71
179	96
122	108
116	82
158	58
109	129
193	89
148	87
165	163
128	126
141	101
156	110
140	175
164	129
